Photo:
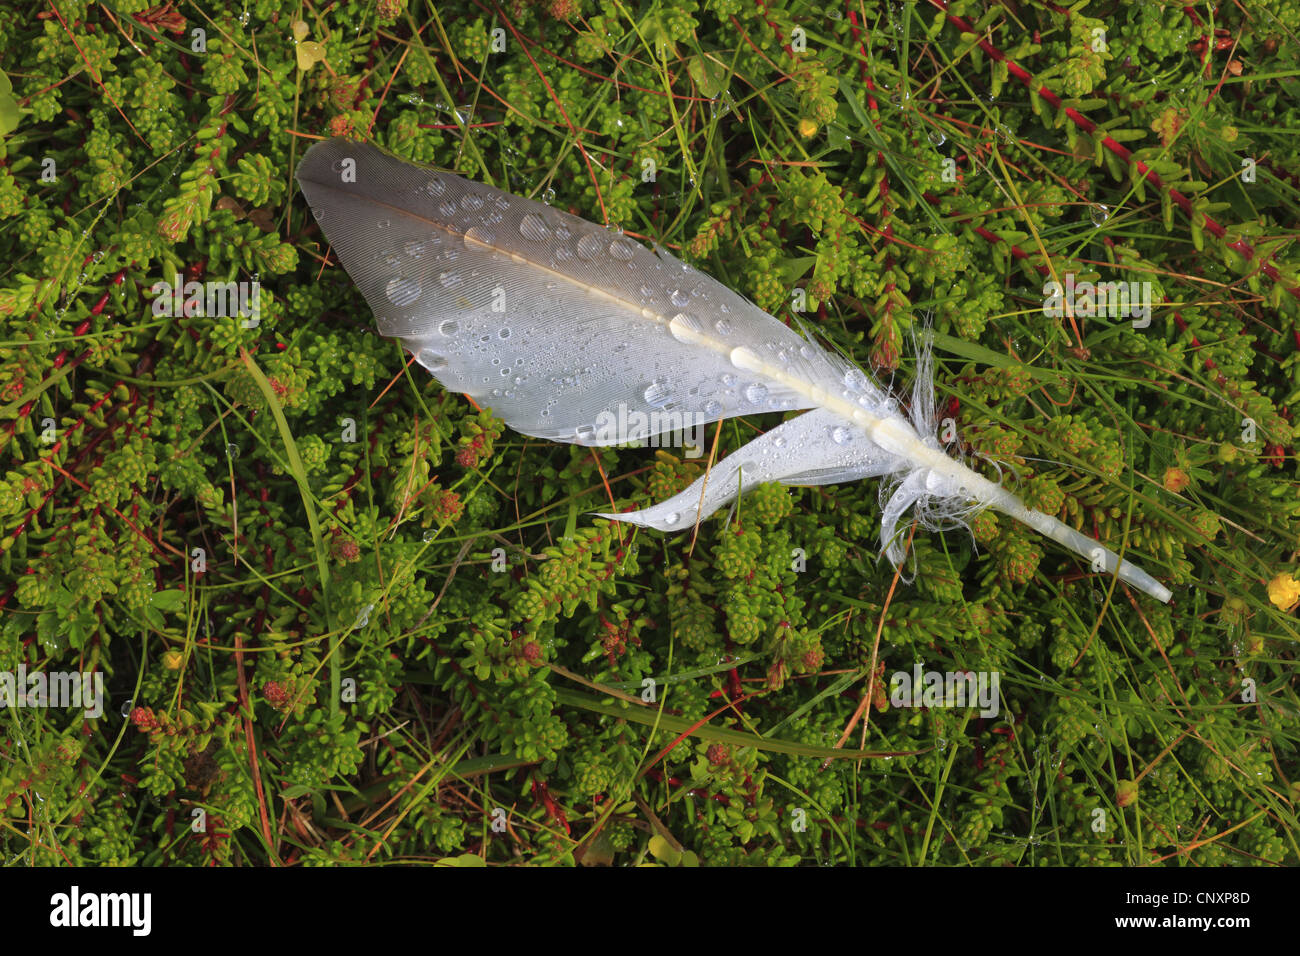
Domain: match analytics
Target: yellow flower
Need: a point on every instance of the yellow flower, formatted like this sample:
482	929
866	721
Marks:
807	128
1284	591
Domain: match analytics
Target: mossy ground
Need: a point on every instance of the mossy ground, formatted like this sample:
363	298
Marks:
345	616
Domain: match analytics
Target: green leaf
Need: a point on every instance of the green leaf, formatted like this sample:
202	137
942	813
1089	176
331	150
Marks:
709	75
986	356
168	600
664	852
313	521
9	114
659	37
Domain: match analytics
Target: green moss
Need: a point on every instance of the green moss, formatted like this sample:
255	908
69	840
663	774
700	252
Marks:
405	607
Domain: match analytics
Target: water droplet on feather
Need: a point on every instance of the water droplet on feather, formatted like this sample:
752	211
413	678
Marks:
685	328
658	393
402	290
532	227
431	360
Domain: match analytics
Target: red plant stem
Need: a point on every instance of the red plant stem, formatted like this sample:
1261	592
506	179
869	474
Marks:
246	714
991	237
1240	246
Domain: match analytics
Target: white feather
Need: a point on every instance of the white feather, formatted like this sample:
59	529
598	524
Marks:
559	326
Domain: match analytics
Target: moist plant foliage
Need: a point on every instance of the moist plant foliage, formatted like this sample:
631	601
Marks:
345	616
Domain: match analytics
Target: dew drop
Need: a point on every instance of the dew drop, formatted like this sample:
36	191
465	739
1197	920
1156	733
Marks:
471	202
532	227
839	434
744	358
125	709
590	247
451	280
658	393
685	328
415	249
728	379
778	441
503	334
585	433
723	327
712	408
479	235
435	187
679	298
448	208
232	450
449	327
363	617
672	518
755	392
428	536
1099	213
622	250
548	195
937	137
402	290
